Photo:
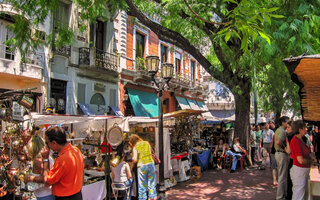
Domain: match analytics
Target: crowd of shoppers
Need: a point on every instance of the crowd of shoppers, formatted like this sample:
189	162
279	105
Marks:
294	158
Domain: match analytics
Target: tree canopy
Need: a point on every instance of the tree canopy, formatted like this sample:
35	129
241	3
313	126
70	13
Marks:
292	35
227	37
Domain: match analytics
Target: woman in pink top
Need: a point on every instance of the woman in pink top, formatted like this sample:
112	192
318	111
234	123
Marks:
300	153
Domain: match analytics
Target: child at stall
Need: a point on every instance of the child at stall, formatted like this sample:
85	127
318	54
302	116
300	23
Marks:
120	174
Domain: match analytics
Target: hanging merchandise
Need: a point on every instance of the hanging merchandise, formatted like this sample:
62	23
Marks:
26	101
114	136
3	111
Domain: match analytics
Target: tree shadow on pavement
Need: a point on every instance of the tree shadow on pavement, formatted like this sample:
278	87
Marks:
222	185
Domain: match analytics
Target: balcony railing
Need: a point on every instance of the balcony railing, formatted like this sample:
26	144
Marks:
6	52
34	58
106	60
84	56
65	50
103	59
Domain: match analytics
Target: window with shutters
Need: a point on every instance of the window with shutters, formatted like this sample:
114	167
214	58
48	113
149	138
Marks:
178	63
192	72
140	45
5	34
81	93
61	15
113	97
164	54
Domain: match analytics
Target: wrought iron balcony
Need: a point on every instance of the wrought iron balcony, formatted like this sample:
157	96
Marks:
84	56
64	51
101	60
107	60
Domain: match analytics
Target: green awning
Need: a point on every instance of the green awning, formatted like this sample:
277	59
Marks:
183	102
202	106
144	103
193	104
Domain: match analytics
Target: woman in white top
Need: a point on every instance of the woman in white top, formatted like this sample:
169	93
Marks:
238	149
122	174
35	149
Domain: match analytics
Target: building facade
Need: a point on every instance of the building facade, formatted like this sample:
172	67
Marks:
18	78
138	97
102	69
220	100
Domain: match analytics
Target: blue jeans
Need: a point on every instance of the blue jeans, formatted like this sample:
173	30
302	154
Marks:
235	157
128	183
50	197
147	181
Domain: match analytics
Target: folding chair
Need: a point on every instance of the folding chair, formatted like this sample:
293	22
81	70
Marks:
116	187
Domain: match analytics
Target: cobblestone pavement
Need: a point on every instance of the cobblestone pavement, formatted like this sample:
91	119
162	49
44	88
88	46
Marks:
222	185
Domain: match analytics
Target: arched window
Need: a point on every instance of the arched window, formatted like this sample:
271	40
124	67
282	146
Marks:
97	99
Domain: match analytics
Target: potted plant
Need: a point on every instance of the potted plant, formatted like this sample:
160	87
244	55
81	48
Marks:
140	64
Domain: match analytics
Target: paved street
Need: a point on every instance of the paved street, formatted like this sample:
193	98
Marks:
221	185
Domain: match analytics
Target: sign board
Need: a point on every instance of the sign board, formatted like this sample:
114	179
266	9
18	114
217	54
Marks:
99	87
17	111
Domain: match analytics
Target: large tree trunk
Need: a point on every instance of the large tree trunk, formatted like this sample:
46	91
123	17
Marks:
242	121
277	116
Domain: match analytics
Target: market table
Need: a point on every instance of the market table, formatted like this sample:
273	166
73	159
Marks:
314	182
94	191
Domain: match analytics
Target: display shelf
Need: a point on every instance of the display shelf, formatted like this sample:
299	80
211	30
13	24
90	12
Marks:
91	143
75	139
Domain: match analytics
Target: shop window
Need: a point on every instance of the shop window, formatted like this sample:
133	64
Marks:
61	15
81	93
113	97
140	40
192	72
164	54
58	96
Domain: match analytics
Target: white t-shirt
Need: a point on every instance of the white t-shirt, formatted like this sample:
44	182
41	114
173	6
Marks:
267	136
236	147
120	173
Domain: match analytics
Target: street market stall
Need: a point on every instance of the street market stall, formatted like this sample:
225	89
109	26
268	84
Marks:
147	129
87	133
188	149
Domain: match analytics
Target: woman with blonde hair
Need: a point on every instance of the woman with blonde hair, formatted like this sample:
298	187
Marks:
142	154
34	149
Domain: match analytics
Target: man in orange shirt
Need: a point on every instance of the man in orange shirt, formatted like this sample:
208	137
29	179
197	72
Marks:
66	175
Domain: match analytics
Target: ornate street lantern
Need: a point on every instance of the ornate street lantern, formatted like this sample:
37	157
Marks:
152	63
167	70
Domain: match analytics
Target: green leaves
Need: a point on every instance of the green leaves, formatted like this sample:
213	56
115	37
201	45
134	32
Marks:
265	36
227	37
